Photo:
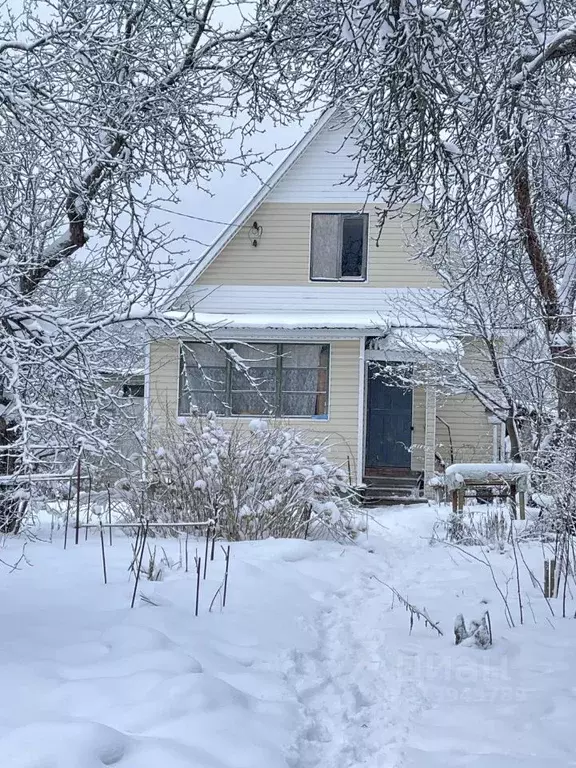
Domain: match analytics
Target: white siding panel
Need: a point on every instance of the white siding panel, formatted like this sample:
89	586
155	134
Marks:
324	172
240	299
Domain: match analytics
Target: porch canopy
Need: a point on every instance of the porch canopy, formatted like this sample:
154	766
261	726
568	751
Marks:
396	320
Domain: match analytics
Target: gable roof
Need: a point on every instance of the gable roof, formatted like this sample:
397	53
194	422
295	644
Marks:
246	212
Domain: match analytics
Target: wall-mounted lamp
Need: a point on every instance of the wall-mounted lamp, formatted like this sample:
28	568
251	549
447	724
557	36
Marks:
255	233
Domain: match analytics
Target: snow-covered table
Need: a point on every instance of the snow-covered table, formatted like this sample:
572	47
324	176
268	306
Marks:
513	477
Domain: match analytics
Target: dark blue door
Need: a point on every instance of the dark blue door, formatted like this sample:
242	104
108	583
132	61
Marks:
388	423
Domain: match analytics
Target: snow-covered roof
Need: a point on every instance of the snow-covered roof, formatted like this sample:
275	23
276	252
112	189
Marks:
357	310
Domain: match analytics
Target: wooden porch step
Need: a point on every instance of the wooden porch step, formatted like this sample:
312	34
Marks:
386	490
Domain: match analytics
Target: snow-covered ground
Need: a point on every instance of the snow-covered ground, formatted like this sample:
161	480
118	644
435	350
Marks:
310	664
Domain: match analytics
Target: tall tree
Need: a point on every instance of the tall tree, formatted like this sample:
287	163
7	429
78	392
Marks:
469	106
101	103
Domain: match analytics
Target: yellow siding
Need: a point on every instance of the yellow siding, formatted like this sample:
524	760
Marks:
340	430
419	427
471	433
469	427
282	256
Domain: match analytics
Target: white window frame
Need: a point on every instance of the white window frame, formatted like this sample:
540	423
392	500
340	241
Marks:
342	279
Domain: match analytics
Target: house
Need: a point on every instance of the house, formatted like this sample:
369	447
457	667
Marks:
309	290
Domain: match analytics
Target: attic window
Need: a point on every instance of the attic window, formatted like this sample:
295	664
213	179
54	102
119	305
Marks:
338	246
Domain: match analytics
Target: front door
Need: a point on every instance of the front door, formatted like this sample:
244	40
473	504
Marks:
388	423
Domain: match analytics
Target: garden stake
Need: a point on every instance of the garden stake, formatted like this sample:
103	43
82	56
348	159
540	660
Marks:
67	512
88	507
143	547
206	551
227	556
198	564
186	551
77	534
103	552
109	513
213	545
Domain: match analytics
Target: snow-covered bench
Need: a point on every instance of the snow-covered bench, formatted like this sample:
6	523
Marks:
512	477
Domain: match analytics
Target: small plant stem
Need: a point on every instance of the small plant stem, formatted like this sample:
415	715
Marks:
142	548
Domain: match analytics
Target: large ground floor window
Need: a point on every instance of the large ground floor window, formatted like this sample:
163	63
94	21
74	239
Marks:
280	380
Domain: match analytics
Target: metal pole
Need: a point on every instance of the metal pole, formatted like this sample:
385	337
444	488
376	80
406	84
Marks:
88	506
67	512
77	534
109	512
227	555
206	550
103	554
198	565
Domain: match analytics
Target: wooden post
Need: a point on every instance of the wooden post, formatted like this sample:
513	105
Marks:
546	578
512	494
461	499
77	534
454	501
552	578
522	498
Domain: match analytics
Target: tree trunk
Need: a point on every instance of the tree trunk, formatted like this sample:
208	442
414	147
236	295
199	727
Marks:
12	505
512	432
564	361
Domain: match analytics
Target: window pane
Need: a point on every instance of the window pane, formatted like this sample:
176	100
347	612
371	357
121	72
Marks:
263	378
133	390
303	404
305	379
206	379
300	380
353	246
204	354
265	354
325	259
202	379
302	355
203	402
252	403
261	362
